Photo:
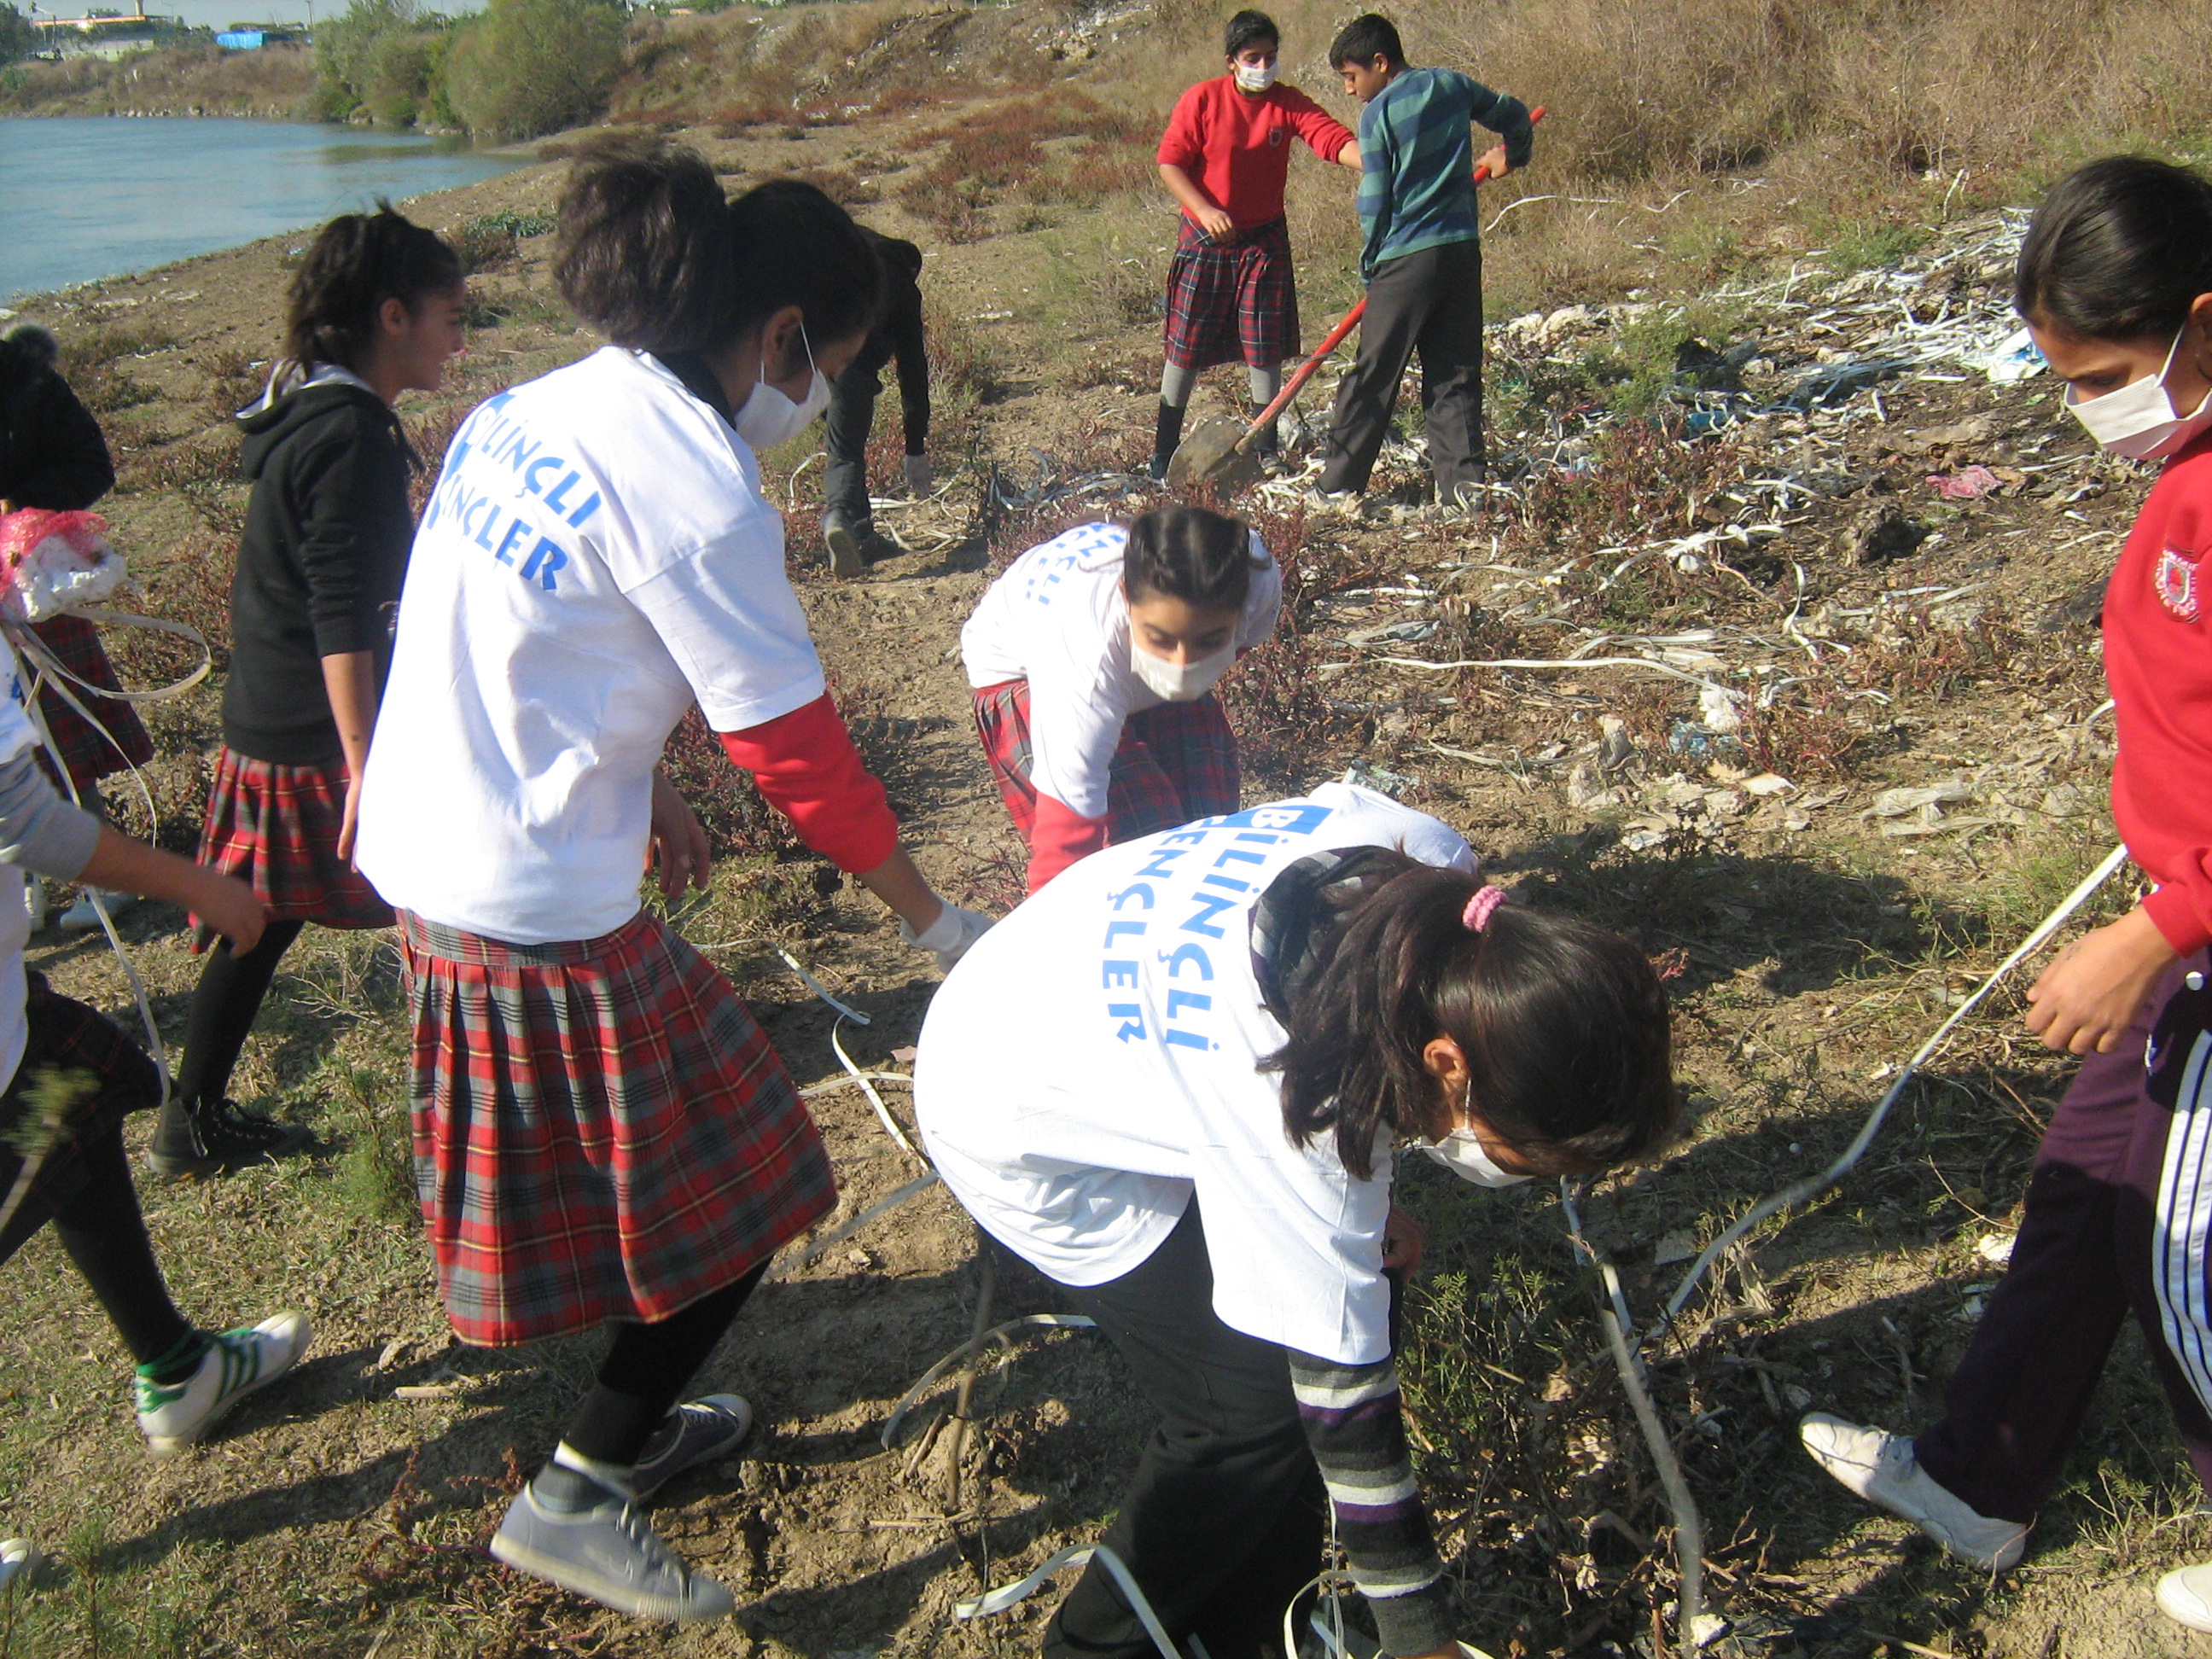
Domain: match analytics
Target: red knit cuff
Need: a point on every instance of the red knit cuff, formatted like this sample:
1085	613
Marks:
1059	835
2174	911
807	768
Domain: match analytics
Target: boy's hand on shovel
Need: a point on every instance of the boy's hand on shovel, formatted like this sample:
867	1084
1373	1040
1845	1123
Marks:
1492	164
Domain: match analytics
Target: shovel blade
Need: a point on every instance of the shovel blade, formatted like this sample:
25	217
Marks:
1210	455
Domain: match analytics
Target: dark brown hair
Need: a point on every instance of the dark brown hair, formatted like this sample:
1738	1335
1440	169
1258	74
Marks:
1201	557
358	262
644	254
1367	36
795	247
2119	250
1563	1025
1249	28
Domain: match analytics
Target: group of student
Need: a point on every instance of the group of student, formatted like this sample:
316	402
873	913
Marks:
1232	295
1176	1079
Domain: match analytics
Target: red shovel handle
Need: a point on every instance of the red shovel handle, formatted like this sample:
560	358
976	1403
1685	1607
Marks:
1335	336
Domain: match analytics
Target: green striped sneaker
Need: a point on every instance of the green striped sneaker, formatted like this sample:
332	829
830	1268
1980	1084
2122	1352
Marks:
236	1363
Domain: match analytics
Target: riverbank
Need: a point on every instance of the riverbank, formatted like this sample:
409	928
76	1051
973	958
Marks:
275	83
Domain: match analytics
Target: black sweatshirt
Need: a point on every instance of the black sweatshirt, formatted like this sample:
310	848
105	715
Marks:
899	335
320	567
51	453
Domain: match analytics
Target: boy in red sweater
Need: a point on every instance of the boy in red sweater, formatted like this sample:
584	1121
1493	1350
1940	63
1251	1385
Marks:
1224	157
2115	283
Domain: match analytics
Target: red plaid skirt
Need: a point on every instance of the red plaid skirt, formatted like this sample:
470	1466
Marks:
89	753
275	828
601	1130
1175	764
1238	303
68	1037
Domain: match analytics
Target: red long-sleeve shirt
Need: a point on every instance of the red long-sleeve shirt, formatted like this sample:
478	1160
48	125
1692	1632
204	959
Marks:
1238	144
2158	661
808	769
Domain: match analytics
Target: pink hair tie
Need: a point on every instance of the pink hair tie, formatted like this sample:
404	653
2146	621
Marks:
1476	916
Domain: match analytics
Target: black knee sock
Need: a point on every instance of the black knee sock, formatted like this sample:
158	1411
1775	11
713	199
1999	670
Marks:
645	1369
102	1228
224	1011
1168	433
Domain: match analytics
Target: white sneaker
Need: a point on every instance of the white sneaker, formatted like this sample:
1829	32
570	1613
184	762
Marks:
80	916
1880	1466
17	1557
2184	1595
237	1363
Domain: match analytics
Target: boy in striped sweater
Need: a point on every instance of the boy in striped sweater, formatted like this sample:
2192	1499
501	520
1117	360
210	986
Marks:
1422	258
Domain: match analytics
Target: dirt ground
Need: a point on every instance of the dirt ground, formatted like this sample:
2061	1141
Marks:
1818	923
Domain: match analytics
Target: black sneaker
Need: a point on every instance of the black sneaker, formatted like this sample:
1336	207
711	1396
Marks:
847	555
213	1137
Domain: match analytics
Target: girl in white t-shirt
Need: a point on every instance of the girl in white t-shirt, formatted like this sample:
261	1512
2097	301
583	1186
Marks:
1093	660
1172	1082
603	1135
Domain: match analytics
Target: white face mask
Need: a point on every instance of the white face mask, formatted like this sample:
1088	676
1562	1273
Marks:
1462	1153
1255	78
769	418
1185	682
2137	420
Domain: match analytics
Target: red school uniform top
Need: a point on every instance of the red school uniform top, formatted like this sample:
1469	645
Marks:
1238	144
2158	661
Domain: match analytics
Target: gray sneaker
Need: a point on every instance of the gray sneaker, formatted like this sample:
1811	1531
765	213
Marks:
847	553
697	1431
610	1554
1880	1466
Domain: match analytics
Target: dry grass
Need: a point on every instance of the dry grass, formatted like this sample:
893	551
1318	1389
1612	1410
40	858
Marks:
278	81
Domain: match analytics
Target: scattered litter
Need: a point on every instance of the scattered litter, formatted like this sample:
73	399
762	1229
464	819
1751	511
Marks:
1677	1245
1925	800
1996	1249
1970	485
1766	784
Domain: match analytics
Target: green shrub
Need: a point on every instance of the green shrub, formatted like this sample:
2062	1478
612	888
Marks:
532	66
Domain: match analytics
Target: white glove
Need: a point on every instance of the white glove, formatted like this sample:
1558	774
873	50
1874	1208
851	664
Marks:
948	937
919	478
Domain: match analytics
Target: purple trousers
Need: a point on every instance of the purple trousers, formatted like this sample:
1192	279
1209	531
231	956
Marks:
2118	1210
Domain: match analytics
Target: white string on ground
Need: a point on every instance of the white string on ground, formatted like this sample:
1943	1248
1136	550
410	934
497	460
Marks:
832	1084
1013	1594
1799	1191
837	1236
883	1112
1003	1333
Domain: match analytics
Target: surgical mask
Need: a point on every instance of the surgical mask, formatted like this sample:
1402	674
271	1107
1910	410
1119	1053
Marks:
1256	77
2137	420
769	418
1180	682
1462	1153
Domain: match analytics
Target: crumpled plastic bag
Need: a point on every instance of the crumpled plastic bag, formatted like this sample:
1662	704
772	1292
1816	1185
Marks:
55	562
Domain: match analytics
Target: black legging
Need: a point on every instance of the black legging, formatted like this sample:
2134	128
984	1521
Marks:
645	1372
224	1011
100	1225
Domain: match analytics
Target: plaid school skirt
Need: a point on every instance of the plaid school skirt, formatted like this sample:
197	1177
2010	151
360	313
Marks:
1175	764
275	828
69	1037
601	1130
1238	303
87	752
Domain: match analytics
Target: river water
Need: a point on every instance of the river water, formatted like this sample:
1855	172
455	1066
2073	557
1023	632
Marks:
88	196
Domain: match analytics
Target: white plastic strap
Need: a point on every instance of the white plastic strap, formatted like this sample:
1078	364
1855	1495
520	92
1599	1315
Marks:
838	1235
1008	1595
996	1333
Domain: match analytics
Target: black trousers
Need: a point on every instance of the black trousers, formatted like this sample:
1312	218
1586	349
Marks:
1225	1519
1430	302
846	425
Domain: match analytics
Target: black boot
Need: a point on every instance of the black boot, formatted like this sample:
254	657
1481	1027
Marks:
1165	436
202	1138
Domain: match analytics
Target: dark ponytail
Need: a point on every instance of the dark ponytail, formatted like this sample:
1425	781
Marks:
1563	1025
1203	558
358	262
2119	250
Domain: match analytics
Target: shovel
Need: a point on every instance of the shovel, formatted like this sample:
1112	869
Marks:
1223	451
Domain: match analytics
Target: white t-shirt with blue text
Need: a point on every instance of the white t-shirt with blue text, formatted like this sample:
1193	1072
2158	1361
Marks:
1057	619
1093	1063
597	556
17	734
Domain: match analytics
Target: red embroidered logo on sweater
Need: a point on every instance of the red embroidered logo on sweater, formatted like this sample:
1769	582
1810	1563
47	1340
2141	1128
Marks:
2177	584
